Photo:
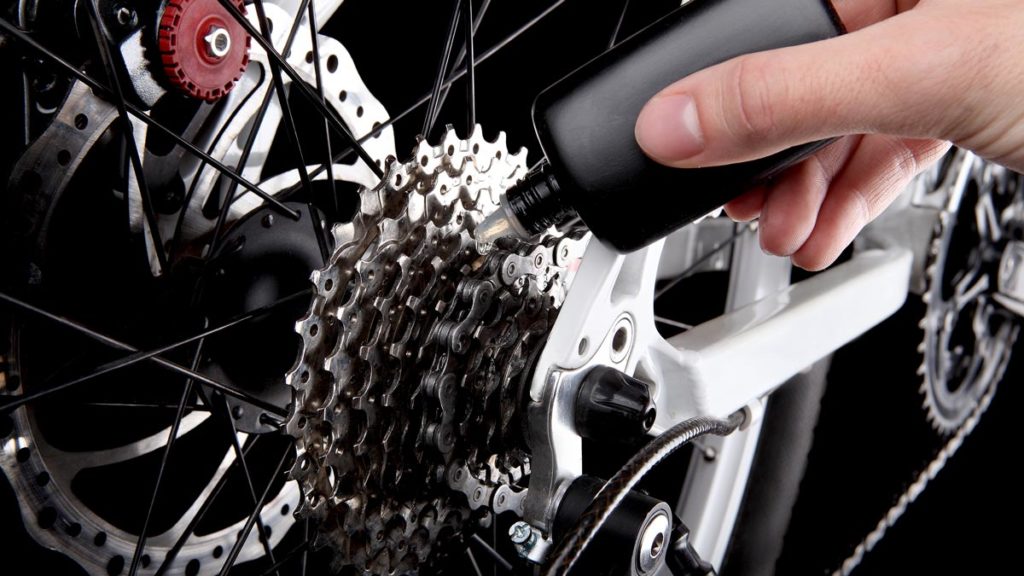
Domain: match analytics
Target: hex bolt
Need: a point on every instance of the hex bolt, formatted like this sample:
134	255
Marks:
218	42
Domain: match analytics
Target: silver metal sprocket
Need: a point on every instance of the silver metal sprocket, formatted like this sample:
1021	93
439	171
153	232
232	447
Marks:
967	341
406	391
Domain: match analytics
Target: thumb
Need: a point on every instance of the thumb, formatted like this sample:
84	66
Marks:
881	79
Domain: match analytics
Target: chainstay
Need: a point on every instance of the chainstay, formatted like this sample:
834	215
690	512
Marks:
923	478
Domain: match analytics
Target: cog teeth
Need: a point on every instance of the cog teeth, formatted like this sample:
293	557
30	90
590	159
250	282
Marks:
921	370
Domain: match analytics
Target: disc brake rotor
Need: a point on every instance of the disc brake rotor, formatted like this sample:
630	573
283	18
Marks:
43	474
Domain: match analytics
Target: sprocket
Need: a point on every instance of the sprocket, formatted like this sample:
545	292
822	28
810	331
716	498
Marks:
968	338
407	391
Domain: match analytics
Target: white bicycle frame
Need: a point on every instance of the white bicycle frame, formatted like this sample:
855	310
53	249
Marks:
771	332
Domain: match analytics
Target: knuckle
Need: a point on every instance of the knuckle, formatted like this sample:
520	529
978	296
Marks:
753	111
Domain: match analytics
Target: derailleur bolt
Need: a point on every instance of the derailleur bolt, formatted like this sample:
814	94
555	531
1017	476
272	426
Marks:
521	533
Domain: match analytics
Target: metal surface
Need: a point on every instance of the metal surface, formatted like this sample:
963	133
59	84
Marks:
653	542
407	391
222	136
717	477
966	334
1011	278
75	527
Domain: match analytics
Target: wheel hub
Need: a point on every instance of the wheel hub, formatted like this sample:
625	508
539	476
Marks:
204	51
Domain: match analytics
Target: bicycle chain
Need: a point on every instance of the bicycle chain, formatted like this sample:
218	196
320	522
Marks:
958	427
414	349
919	484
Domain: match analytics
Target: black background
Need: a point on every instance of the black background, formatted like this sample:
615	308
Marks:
873	436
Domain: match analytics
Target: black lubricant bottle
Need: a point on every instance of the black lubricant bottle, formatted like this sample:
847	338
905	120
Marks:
594	168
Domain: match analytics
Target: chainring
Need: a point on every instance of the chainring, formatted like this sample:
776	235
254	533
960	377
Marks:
968	338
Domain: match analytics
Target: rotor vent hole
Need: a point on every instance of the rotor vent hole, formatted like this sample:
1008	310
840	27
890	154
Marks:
115	566
23	454
43	478
145	560
498	154
343	95
309	57
192	568
359	112
424	160
74	529
285	509
47	517
476	148
63	157
100	539
451	150
332	63
314	330
376	126
81	121
328	285
218	551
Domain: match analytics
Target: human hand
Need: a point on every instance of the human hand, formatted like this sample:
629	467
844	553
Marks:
909	77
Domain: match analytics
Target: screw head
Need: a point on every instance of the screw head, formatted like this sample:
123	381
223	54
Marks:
125	16
218	42
520	532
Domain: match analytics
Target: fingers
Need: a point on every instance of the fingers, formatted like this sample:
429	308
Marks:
877	172
791	206
880	79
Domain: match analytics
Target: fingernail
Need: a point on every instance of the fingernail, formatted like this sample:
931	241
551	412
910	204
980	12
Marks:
668	128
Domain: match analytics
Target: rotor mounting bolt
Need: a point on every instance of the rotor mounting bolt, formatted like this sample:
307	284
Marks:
125	16
218	42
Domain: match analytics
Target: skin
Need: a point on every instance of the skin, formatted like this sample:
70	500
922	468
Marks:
909	79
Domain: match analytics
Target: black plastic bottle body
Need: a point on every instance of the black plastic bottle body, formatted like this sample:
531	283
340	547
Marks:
585	122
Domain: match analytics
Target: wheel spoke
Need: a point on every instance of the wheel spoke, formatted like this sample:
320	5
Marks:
472	562
456	76
282	98
114	343
140	356
128	130
470	27
499	560
314	40
172	436
104	91
618	25
190	407
460	57
302	548
442	69
701	261
332	118
251	520
225	416
172	553
73	462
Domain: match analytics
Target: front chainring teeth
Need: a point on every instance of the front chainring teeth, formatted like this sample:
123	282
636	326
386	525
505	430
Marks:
950	398
408	352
